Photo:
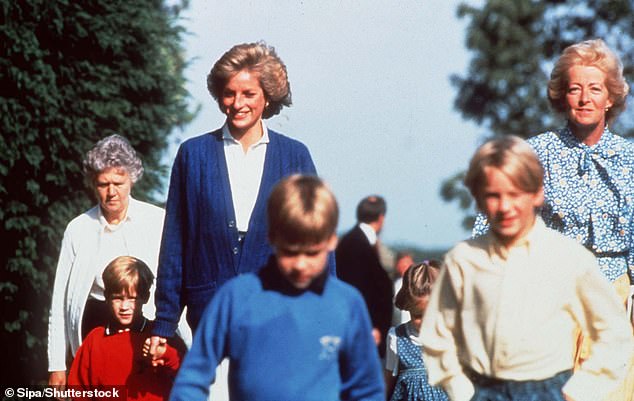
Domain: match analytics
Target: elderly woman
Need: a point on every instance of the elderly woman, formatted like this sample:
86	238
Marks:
118	225
215	225
589	171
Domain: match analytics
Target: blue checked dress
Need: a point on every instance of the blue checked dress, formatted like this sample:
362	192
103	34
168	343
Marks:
589	195
412	384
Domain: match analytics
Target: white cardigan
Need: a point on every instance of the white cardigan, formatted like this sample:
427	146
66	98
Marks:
76	271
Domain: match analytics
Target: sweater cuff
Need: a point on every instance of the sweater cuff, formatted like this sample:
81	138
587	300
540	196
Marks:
164	329
56	368
56	364
172	359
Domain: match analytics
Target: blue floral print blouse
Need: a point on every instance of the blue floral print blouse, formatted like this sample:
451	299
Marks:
589	195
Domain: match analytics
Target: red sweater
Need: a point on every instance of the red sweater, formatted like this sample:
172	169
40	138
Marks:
104	360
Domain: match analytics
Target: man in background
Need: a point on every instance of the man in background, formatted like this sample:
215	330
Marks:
358	264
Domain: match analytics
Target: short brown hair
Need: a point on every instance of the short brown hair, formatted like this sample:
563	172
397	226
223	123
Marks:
514	157
417	282
371	208
258	58
126	273
301	211
593	53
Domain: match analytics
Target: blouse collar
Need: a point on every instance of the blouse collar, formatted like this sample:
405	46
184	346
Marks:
130	214
227	137
605	149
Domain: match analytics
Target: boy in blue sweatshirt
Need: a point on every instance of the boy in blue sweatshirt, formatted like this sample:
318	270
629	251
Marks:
290	331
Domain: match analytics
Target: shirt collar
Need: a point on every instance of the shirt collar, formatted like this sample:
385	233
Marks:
229	139
369	232
272	279
137	327
527	241
129	216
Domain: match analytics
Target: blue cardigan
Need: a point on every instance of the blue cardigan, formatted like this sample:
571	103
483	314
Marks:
283	343
199	248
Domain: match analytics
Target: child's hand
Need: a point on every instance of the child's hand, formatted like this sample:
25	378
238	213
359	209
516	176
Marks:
376	334
154	348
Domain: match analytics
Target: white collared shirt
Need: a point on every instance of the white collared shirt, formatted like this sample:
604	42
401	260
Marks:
391	353
369	232
245	173
112	244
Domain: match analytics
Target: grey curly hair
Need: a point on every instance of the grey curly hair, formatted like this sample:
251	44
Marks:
113	151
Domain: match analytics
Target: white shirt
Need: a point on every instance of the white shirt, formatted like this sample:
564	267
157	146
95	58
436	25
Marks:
391	352
369	232
398	316
245	173
113	242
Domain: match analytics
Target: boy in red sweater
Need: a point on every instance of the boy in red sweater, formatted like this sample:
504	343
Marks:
114	355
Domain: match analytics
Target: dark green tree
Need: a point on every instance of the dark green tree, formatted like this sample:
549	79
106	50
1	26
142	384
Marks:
71	73
514	45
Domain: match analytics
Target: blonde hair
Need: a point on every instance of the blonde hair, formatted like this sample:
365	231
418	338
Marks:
260	59
417	282
593	53
301	211
514	157
127	273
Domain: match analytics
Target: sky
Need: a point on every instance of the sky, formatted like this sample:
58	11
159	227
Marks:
372	98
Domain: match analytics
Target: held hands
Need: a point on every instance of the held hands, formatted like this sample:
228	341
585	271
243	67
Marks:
57	378
154	348
376	334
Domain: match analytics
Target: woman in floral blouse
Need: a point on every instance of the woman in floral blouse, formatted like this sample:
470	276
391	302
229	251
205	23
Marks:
589	180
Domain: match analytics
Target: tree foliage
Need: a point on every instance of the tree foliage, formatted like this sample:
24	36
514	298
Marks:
514	45
72	72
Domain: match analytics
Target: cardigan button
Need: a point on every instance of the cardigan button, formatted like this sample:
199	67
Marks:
235	250
231	224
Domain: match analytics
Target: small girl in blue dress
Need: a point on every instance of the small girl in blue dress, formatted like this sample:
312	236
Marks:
405	373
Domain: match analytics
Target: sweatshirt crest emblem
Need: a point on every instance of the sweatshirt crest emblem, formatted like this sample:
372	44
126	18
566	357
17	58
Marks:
329	347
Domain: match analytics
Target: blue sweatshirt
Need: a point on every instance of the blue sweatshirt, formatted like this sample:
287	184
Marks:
283	343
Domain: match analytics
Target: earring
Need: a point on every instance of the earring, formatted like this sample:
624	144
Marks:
267	105
607	109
